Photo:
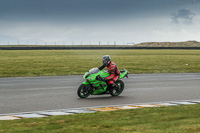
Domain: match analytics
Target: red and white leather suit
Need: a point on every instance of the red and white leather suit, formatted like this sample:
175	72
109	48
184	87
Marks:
114	72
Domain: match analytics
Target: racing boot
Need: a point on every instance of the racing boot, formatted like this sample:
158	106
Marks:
115	87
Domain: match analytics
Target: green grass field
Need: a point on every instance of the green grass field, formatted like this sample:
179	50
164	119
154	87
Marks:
174	119
19	63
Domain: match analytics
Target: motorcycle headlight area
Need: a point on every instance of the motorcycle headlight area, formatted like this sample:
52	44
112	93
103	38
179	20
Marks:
89	79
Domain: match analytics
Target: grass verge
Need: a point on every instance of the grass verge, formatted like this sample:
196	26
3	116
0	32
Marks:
173	119
20	63
67	62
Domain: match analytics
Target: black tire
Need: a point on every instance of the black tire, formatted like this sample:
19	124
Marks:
84	91
119	90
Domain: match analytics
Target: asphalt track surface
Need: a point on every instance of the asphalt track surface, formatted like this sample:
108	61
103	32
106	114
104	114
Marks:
29	94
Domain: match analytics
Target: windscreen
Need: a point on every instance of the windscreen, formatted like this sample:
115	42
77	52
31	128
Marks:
93	70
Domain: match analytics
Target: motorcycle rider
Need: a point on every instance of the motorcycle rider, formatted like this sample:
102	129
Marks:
112	69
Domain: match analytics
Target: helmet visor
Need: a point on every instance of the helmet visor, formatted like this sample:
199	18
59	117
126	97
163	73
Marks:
105	62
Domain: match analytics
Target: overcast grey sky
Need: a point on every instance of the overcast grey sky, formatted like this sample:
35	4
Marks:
91	21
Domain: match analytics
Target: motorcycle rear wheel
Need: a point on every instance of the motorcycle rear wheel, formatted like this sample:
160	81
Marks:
117	91
84	91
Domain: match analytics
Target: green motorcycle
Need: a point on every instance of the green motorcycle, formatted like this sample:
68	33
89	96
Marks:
94	86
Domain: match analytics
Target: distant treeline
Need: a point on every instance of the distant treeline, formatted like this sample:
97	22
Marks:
169	44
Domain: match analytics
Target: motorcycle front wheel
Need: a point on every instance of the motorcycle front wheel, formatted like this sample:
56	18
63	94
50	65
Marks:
84	91
118	90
